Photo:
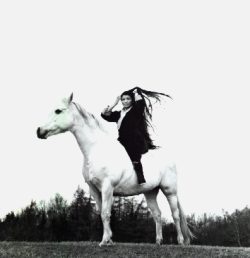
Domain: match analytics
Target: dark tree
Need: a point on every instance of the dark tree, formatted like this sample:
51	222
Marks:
131	221
57	212
80	212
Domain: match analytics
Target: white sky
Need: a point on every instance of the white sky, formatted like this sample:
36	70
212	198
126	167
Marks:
196	51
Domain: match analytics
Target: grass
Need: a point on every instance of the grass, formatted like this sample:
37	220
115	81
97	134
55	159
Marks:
92	249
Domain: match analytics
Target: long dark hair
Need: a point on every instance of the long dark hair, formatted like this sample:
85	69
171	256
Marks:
147	115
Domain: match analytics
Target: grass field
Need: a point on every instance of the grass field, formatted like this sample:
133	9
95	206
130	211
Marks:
91	249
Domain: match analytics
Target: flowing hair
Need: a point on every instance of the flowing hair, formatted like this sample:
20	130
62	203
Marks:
147	115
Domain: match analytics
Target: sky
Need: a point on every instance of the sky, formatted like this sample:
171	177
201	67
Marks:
196	51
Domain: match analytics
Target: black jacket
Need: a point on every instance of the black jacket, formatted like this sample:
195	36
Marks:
132	129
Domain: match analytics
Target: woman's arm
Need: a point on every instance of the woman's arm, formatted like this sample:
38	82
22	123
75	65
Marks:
108	109
110	116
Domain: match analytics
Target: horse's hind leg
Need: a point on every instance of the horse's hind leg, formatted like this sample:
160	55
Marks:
173	202
156	213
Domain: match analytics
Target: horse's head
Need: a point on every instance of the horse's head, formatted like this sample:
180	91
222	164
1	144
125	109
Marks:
60	120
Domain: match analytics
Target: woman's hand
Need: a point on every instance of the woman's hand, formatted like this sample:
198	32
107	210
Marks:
117	99
108	109
137	95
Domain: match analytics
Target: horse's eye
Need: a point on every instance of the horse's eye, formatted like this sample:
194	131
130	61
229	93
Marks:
58	111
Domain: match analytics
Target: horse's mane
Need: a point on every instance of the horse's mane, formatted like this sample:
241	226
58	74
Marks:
89	117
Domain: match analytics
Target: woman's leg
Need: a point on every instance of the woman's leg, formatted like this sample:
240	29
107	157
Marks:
135	157
139	171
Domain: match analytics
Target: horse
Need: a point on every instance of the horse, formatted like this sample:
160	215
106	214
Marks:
109	172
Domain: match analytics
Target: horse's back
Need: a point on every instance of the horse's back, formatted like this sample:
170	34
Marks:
159	171
159	165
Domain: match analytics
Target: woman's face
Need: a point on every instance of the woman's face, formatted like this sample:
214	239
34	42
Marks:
126	101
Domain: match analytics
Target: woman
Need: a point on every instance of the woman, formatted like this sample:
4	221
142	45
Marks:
132	124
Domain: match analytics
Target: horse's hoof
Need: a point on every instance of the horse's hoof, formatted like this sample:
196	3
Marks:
159	242
110	242
180	240
181	244
106	243
103	243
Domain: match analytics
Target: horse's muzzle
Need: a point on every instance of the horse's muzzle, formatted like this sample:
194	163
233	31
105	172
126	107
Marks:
41	134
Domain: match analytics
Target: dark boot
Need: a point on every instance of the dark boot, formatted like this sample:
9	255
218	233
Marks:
139	172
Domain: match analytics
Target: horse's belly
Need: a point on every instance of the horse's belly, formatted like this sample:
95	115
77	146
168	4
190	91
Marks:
134	189
126	192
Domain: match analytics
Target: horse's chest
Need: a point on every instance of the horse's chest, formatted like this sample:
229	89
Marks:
89	172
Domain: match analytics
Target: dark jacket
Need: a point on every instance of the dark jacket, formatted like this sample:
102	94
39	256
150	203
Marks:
132	128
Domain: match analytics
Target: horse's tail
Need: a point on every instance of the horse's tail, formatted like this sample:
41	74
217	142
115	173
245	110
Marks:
187	234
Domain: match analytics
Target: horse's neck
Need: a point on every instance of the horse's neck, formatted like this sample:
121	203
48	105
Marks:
87	138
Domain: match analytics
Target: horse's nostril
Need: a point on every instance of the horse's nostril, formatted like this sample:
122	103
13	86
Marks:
38	132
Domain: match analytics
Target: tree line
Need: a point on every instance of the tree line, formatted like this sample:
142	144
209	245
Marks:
131	221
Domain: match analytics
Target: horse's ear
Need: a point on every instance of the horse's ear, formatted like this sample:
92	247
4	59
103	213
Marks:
70	98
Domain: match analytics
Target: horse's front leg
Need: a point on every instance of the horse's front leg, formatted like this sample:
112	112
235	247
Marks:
107	199
97	197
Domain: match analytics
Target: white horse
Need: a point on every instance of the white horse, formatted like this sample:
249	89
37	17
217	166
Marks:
109	172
